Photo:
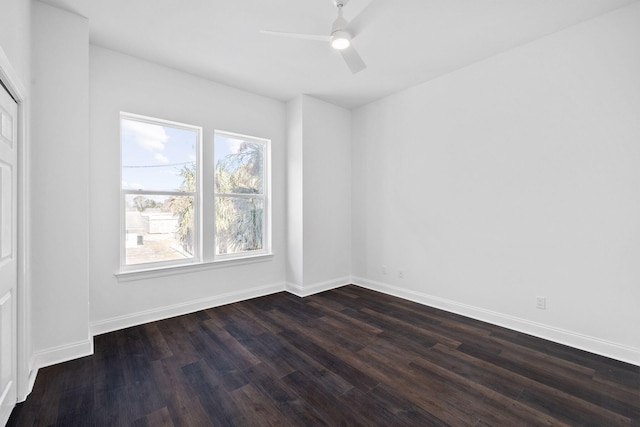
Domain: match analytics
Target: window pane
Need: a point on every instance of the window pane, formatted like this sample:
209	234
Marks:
238	165
158	228
156	157
239	224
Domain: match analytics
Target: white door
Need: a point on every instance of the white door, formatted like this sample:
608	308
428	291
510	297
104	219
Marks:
8	251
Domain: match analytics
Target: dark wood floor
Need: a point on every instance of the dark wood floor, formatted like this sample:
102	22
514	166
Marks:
344	357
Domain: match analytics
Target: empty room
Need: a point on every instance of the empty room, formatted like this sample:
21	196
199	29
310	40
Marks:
319	212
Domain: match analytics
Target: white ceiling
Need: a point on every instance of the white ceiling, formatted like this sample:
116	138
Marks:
409	42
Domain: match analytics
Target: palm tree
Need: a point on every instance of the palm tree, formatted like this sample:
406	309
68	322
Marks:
182	207
239	225
239	217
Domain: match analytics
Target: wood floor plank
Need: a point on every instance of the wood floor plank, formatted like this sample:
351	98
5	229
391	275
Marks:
259	409
577	386
178	341
155	345
488	405
320	400
409	326
341	335
294	409
159	418
183	407
76	407
243	358
424	393
109	372
367	411
349	356
341	367
217	403
404	410
336	315
275	354
561	405
257	315
619	372
619	390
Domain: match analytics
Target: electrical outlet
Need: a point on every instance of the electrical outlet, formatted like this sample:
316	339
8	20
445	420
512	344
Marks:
541	303
384	269
400	274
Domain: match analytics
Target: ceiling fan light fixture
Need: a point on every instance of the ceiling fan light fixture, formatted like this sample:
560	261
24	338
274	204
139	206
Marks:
340	40
340	37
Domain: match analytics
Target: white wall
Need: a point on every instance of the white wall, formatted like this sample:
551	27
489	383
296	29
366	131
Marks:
318	196
59	186
15	36
513	178
295	196
327	192
123	83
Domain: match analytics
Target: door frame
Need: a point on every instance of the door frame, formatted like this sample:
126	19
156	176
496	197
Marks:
24	377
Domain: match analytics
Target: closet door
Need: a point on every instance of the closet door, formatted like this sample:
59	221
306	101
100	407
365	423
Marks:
8	252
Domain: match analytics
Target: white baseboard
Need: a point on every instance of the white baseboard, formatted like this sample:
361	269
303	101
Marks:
307	290
30	382
135	319
63	353
584	342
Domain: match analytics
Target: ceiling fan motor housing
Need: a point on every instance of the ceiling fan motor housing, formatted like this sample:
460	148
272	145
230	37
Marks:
340	37
340	24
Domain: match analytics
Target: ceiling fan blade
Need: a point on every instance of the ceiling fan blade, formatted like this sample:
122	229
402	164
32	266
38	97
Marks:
353	60
314	37
372	12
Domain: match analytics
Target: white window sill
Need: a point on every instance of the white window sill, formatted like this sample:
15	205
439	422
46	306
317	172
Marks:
150	273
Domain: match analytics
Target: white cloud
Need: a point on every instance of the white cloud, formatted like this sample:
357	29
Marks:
161	158
148	136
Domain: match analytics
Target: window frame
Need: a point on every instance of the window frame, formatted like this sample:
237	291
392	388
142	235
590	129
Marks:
197	199
205	196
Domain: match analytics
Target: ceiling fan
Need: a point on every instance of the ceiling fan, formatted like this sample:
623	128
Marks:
341	35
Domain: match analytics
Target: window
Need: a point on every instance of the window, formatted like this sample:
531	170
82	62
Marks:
240	183
165	182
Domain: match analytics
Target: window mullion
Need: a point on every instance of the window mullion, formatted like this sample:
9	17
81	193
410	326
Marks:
208	199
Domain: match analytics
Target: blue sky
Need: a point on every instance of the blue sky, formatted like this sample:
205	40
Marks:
152	155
